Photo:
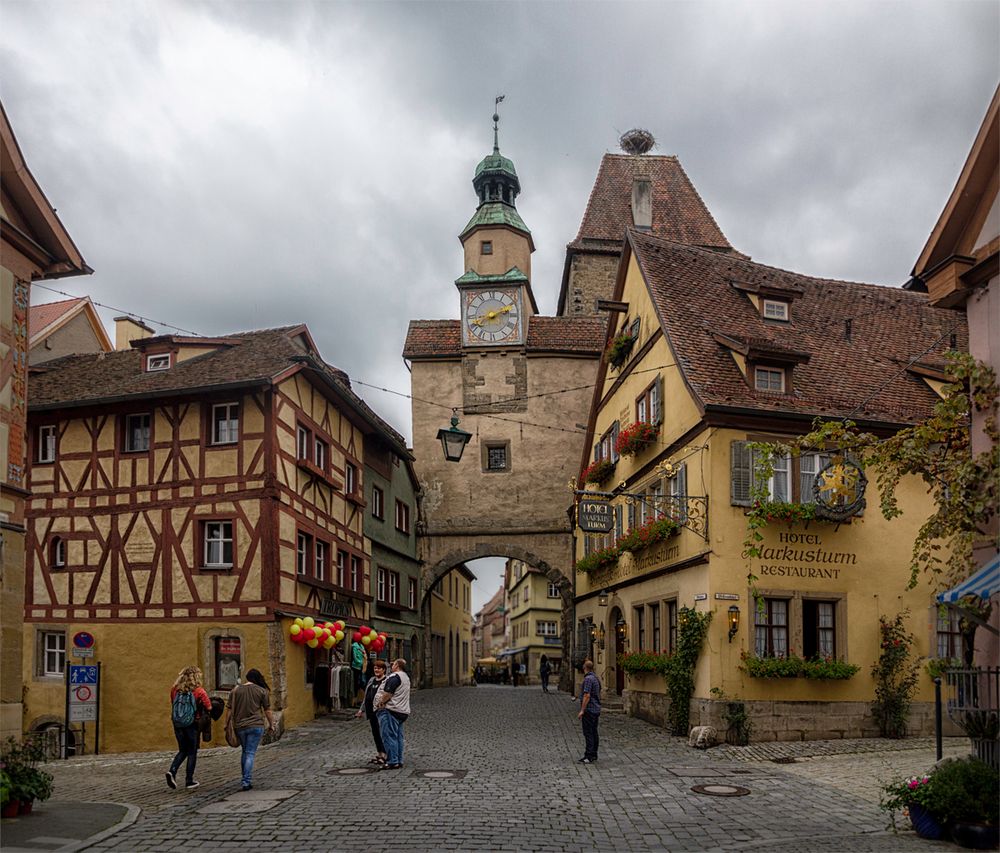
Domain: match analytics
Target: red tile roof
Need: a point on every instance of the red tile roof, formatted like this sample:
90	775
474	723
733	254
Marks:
250	358
430	339
695	298
41	316
679	214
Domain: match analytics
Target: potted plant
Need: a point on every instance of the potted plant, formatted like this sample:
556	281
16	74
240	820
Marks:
635	438
22	781
8	804
962	794
618	350
598	472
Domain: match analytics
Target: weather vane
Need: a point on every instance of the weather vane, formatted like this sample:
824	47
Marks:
496	118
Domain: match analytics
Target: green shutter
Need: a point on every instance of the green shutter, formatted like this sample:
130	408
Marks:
657	413
741	473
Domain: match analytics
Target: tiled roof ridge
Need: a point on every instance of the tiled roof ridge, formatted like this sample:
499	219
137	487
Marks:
60	301
590	198
897	291
708	210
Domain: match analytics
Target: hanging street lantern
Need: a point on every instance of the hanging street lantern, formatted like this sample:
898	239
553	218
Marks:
453	440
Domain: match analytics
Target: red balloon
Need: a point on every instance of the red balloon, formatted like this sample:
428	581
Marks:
309	634
364	629
356	636
378	645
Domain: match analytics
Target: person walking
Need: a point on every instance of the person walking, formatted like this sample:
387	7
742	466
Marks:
358	666
590	711
543	671
368	710
249	706
188	702
392	706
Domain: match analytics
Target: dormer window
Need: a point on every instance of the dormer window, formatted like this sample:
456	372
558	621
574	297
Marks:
486	247
769	379
157	362
775	309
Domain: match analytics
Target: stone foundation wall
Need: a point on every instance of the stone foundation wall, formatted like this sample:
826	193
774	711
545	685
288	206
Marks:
774	720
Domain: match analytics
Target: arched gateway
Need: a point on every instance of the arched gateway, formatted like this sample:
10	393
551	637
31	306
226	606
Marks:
441	554
521	385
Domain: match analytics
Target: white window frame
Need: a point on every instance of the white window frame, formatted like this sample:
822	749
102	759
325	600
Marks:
303	442
225	423
394	587
158	361
356	573
554	591
378	503
767	374
413	593
129	448
320	452
302	554
319	563
52	648
402	516
547	628
350	478
58	552
219	540
774	309
47	442
341	568
383	578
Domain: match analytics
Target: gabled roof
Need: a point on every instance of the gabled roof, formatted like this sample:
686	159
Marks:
840	369
679	214
246	359
30	223
45	320
952	233
434	339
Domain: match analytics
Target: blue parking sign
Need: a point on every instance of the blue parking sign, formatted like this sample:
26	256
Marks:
82	674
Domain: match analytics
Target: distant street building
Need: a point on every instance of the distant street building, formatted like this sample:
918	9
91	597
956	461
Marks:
534	616
68	327
450	617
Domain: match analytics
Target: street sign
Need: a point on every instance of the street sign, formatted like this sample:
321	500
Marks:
83	653
595	516
83	640
83	692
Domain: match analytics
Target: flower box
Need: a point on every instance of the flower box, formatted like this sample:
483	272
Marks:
598	472
635	438
792	666
619	349
597	560
650	533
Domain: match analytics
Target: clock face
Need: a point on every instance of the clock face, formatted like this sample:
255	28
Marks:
492	317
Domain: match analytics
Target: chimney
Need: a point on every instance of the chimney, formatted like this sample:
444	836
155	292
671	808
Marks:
642	202
128	329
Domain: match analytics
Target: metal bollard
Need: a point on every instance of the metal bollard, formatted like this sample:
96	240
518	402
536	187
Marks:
937	716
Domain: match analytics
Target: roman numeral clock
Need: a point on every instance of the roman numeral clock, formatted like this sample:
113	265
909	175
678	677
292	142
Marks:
492	317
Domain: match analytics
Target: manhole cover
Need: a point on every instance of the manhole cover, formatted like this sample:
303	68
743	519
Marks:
352	771
441	774
785	759
721	790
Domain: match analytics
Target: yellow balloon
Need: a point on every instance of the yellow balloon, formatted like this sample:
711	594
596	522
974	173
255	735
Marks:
329	644
373	635
366	640
308	622
339	636
298	621
295	630
312	643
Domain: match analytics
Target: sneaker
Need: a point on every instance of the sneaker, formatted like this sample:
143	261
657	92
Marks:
587	760
171	781
191	785
393	767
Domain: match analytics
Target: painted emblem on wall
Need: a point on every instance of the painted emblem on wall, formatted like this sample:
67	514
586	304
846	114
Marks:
839	490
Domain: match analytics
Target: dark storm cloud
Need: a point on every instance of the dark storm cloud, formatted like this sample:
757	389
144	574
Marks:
227	166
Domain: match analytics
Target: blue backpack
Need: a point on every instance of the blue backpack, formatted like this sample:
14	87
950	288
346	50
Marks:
183	709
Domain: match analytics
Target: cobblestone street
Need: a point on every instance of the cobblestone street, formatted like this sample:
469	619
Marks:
516	786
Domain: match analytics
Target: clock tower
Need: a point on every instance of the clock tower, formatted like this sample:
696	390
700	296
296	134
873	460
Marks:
495	291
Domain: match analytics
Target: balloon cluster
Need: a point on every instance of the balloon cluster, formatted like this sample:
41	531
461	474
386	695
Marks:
371	638
309	632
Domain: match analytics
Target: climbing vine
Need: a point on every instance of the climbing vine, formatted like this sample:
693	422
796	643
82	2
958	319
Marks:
964	486
679	668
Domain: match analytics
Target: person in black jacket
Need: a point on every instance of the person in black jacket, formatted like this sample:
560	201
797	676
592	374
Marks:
368	710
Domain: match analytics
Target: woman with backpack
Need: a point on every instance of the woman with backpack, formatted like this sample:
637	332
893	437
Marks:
188	701
249	705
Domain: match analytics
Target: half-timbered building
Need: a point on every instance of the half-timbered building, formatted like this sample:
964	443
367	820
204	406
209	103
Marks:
190	498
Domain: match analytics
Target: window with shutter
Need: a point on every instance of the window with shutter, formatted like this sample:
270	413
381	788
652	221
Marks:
615	428
678	495
631	516
656	401
618	522
740	473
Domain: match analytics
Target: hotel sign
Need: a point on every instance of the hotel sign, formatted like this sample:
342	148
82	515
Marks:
595	516
803	555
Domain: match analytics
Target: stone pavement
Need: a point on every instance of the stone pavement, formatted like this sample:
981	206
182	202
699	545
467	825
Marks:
494	768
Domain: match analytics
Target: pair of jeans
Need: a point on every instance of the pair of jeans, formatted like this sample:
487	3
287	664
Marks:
249	739
377	734
187	748
392	737
590	737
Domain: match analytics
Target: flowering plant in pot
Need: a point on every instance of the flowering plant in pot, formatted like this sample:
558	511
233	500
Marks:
652	531
22	781
598	472
597	560
635	438
618	350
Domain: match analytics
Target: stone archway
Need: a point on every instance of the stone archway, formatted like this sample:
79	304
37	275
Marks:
545	551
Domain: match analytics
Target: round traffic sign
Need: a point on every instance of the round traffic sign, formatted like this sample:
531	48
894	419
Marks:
83	640
83	693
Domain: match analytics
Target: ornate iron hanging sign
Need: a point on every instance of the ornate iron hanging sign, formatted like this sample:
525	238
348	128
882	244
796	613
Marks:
839	490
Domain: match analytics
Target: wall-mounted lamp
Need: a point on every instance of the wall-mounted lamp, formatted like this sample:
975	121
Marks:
597	635
602	598
453	440
621	626
734	621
